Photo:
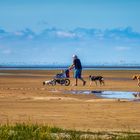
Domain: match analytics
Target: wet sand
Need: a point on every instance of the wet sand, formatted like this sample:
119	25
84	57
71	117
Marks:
23	98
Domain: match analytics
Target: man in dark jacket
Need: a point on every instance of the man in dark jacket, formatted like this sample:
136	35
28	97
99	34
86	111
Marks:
78	70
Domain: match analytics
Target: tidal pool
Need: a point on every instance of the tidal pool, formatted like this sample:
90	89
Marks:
108	94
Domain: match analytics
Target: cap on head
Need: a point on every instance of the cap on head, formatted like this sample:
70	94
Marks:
74	56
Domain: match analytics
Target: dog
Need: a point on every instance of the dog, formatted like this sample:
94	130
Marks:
95	79
49	82
136	95
137	77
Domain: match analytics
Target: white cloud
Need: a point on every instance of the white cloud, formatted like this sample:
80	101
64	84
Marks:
78	33
18	33
65	34
122	48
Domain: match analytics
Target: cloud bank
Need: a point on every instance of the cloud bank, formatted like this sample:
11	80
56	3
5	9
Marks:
56	46
76	34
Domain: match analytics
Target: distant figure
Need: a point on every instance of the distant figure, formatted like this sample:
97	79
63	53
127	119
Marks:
78	70
137	77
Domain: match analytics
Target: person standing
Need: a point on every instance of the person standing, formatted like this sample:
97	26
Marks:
78	70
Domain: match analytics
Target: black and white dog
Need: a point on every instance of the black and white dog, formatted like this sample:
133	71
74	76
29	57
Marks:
95	79
49	82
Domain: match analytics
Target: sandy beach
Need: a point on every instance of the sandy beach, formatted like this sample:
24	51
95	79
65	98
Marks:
23	98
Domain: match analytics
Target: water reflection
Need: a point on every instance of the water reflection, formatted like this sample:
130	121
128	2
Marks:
109	94
116	94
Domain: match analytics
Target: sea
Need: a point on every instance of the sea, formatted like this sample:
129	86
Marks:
66	67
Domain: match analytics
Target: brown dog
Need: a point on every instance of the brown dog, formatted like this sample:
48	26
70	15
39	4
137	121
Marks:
137	77
95	79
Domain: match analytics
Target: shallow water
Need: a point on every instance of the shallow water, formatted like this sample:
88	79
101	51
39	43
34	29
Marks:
107	94
116	94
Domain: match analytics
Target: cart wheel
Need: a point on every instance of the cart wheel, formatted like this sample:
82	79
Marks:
62	81
67	82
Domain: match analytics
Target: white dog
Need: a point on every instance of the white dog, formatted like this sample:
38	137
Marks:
49	82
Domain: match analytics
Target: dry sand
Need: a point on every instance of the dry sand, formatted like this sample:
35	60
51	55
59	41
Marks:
23	98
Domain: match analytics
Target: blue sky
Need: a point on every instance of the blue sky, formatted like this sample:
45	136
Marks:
50	31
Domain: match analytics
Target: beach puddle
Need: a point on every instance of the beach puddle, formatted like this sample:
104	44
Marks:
109	94
116	94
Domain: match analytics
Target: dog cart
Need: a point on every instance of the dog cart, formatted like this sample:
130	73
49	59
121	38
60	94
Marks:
62	79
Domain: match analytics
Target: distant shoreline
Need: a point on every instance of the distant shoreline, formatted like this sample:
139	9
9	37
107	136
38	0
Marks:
50	67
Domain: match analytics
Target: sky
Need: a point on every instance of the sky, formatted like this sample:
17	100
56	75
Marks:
51	31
